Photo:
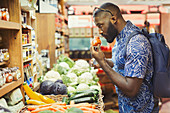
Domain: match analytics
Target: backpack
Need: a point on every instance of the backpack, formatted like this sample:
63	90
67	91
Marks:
161	63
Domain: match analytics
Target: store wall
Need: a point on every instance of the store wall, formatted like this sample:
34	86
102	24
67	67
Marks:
165	27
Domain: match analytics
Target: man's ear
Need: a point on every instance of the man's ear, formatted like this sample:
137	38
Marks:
113	19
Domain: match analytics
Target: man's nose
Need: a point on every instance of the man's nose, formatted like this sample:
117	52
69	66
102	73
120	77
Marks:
100	31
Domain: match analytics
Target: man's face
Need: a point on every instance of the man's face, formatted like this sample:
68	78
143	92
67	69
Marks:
106	28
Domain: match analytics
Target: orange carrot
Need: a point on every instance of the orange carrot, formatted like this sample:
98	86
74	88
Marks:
30	108
90	109
55	109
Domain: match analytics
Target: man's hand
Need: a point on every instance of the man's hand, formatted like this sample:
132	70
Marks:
97	53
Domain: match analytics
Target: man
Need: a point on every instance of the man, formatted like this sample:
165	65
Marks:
128	72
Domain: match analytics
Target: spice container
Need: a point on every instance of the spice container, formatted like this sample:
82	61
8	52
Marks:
15	73
27	52
1	56
0	14
30	51
24	53
1	79
6	54
5	14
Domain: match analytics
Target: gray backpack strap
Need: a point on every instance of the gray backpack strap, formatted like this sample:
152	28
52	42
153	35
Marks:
131	35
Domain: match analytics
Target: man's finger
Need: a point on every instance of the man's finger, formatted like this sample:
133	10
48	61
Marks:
98	46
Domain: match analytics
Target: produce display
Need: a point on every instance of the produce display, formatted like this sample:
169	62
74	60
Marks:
62	108
77	80
78	75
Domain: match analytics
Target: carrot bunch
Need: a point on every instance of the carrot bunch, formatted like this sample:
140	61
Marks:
85	107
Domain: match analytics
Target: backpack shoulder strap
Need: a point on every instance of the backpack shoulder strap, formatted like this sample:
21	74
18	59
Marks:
136	32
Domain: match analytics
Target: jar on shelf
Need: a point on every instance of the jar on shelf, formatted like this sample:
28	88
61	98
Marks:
0	14
5	14
23	38
24	53
15	73
27	52
30	51
1	79
8	75
6	54
1	56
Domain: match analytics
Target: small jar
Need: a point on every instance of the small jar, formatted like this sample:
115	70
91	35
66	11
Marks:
24	53
0	14
30	51
9	77
23	38
1	56
5	14
6	54
1	79
27	53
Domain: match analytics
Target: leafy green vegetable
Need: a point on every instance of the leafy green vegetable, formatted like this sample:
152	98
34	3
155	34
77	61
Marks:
66	79
63	58
61	70
47	111
73	110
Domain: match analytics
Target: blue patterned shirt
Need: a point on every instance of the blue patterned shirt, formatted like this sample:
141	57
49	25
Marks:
138	63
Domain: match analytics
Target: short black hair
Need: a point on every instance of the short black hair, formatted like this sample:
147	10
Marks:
114	9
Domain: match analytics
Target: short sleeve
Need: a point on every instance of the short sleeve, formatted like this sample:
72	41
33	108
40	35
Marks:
137	55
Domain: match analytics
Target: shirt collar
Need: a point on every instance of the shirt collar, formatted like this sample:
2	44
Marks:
125	30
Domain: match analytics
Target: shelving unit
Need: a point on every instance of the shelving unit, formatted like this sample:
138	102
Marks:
11	39
9	25
10	86
27	27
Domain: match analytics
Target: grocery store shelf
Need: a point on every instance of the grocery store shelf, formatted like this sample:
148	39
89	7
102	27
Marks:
3	63
26	26
36	86
24	45
9	25
10	86
27	60
26	6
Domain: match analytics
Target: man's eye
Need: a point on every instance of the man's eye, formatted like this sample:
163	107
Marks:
100	26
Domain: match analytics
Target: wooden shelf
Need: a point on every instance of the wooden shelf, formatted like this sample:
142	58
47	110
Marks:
26	27
26	7
27	60
24	45
9	25
3	63
10	86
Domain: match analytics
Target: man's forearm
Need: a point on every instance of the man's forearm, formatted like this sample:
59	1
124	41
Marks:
109	62
121	82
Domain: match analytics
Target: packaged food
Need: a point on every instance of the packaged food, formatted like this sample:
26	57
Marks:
0	14
9	77
27	53
24	53
1	79
6	54
30	51
5	14
1	56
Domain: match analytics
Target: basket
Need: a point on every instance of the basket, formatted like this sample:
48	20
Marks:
57	98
